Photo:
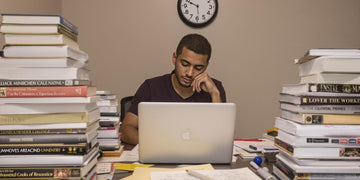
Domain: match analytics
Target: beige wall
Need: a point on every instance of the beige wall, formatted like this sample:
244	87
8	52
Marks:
254	42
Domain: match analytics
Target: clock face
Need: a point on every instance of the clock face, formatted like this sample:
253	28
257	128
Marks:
197	13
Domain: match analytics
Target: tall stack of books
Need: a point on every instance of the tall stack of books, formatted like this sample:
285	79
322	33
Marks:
109	136
319	127
48	112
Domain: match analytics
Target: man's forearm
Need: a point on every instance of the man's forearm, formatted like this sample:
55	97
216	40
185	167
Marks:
129	134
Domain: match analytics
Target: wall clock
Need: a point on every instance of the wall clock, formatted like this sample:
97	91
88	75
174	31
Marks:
197	13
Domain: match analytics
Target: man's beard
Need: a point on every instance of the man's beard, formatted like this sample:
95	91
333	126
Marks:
181	83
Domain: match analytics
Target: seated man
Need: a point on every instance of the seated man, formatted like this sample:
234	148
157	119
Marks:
188	82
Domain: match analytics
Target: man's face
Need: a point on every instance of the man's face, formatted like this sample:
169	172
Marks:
188	65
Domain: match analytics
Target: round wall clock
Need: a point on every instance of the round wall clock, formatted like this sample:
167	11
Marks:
197	13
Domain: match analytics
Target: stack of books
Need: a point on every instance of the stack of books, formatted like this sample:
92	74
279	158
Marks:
48	112
109	136
319	127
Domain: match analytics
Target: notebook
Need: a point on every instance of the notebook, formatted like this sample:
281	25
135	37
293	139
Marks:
186	132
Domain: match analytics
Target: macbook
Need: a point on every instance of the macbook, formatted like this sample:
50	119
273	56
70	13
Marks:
186	132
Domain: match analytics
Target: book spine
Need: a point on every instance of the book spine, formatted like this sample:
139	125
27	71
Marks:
25	139
329	100
331	119
42	131
51	118
69	25
11	83
50	91
335	141
286	170
334	88
284	146
43	149
40	173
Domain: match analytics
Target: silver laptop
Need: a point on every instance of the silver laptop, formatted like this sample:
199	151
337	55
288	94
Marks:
186	132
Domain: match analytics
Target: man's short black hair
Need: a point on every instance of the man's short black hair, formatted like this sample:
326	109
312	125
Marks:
195	42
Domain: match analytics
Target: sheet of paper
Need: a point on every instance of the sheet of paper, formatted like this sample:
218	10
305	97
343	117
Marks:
142	173
223	174
126	156
265	145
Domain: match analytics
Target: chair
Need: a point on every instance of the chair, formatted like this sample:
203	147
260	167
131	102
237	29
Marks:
125	104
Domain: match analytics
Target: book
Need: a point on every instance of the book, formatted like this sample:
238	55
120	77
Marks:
68	138
315	53
335	78
64	82
320	100
316	130
49	172
45	51
8	18
47	159
292	166
41	62
47	129
330	65
321	109
112	109
114	153
318	118
48	100
320	162
44	108
318	152
285	173
53	148
47	91
108	132
40	39
319	141
51	118
37	29
44	73
108	102
320	88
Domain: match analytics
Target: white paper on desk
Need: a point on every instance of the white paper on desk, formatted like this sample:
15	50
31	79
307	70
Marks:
126	156
222	174
260	145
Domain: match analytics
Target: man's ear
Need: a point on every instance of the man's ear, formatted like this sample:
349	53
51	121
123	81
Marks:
174	58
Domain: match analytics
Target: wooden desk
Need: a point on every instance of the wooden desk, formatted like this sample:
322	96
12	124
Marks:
240	163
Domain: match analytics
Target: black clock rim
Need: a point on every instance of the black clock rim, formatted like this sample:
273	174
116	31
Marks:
197	25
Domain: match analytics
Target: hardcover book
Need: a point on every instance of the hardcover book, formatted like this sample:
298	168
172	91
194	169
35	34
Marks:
335	78
40	39
64	82
316	130
330	65
318	118
51	118
38	19
48	91
319	141
37	29
45	51
48	100
41	62
44	73
320	88
321	109
315	53
318	152
320	100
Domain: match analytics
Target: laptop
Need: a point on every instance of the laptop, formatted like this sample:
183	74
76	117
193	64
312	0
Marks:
187	133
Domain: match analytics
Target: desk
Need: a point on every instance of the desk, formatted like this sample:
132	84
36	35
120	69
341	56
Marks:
240	163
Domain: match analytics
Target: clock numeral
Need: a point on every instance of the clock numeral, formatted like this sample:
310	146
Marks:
197	18
209	13
191	15
208	1
210	6
186	11
185	5
203	17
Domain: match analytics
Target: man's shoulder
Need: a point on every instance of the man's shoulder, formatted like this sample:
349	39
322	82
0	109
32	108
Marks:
158	79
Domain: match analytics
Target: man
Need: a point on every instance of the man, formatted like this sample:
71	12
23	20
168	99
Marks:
188	82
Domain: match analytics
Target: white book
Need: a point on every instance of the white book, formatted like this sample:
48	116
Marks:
40	39
319	141
318	152
330	64
50	126
112	109
108	132
44	73
47	160
42	108
320	162
316	130
324	109
45	51
317	169
337	78
314	53
48	100
108	102
41	62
